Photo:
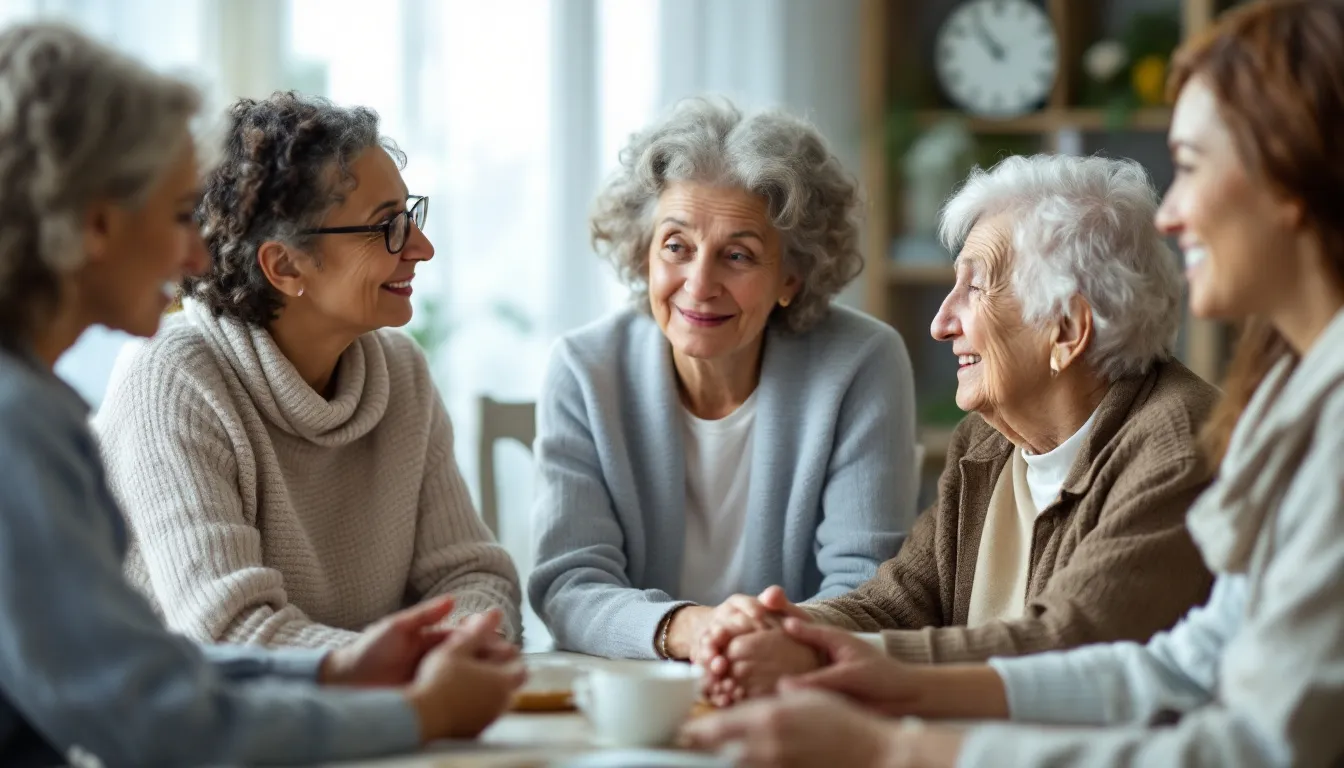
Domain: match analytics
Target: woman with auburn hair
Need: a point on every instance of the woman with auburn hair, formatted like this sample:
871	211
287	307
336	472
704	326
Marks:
1255	676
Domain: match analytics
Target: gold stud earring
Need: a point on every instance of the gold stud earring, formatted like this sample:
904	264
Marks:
784	301
1054	366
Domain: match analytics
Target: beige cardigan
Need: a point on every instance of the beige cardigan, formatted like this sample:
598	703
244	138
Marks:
1111	560
260	512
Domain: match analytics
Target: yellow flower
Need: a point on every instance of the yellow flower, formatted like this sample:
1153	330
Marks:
1149	79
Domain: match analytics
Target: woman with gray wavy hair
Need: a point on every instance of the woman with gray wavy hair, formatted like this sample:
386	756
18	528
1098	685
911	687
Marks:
1060	518
733	429
98	182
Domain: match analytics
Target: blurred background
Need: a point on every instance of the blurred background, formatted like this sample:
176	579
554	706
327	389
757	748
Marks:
513	111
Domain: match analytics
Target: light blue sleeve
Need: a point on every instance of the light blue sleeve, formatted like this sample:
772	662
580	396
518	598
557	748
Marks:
1279	659
246	662
869	501
1112	683
580	586
86	663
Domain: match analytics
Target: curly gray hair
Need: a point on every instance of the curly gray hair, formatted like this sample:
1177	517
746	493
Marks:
79	122
1082	226
812	201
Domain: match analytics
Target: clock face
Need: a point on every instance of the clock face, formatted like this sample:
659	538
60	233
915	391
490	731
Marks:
998	58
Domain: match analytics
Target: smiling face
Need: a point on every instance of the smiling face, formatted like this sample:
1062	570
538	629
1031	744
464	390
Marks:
355	282
1227	226
1001	361
137	256
716	269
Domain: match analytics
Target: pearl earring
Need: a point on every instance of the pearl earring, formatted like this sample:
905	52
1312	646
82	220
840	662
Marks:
300	291
1054	366
784	301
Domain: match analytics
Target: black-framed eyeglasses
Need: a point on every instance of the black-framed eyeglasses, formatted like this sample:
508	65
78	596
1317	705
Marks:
395	230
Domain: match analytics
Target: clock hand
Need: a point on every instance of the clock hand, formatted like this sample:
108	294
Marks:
995	49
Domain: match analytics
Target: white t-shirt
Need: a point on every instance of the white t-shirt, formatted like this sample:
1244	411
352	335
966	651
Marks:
718	481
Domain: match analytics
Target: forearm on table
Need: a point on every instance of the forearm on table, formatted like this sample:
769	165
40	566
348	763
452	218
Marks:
959	692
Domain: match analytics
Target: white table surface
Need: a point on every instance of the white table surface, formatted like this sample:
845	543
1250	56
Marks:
516	740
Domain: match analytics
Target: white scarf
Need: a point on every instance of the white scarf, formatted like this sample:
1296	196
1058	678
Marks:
1266	448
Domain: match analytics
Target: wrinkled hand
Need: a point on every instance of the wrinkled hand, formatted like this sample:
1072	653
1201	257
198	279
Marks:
738	615
854	669
802	729
464	684
754	663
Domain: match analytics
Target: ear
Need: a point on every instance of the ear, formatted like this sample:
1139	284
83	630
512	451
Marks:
1071	335
98	228
283	267
792	285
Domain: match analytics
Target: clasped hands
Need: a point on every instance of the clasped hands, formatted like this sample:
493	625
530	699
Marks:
458	680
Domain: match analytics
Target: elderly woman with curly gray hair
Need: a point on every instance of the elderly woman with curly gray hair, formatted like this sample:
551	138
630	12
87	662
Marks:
284	459
733	429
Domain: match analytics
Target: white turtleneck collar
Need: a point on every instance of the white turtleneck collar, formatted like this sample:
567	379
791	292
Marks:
1046	472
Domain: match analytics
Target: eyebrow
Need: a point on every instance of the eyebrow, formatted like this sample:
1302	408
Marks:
386	204
742	233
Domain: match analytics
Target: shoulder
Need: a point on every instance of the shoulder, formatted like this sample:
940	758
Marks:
178	352
1166	418
609	339
623	346
38	415
846	332
174	371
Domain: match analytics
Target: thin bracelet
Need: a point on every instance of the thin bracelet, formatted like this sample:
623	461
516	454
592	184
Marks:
660	645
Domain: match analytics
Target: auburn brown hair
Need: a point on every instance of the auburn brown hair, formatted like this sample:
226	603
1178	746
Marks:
1276	68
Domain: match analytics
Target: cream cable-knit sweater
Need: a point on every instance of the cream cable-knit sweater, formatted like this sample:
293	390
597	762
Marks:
262	513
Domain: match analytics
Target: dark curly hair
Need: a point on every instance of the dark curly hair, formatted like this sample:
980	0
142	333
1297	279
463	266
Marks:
273	180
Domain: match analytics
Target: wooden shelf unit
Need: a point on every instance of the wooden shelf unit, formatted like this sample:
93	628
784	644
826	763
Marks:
1049	120
888	282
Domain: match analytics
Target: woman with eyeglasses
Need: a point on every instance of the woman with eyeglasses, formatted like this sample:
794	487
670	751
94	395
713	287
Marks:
283	457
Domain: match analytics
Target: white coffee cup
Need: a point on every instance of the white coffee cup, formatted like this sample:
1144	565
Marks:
638	706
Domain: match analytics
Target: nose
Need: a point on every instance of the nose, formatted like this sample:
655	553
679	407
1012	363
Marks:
946	326
1166	219
418	247
701	283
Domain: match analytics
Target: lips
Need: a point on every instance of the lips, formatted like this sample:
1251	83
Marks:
703	319
399	287
966	361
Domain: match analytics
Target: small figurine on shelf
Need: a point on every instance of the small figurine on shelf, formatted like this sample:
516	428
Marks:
1129	73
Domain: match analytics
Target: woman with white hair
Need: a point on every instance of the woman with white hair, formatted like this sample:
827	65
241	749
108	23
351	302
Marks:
1060	518
733	429
98	182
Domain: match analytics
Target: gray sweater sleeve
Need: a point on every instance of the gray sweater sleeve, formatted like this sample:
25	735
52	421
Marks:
580	586
86	663
870	499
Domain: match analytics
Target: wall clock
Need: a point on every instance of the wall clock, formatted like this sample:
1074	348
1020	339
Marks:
998	58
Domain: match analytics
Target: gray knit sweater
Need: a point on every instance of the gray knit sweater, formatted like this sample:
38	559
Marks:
263	513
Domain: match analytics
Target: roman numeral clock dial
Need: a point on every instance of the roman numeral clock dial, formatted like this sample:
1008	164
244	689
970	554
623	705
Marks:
997	58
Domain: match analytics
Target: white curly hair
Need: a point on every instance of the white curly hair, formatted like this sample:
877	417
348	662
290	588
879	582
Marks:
1081	226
